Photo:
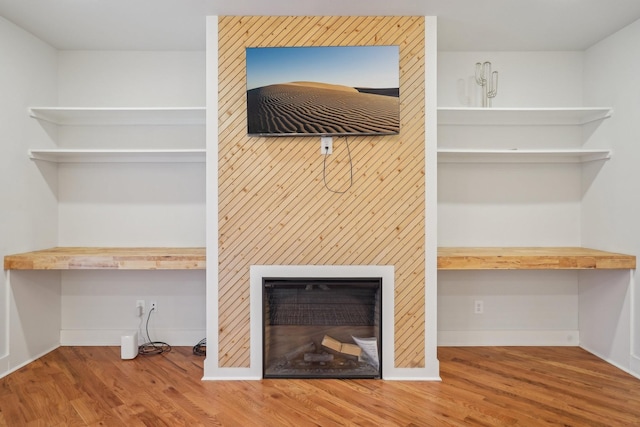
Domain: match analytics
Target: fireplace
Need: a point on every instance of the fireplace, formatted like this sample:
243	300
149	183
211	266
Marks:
259	272
316	327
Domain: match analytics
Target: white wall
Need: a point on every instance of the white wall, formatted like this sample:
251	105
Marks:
520	308
29	315
132	204
132	78
525	79
612	202
98	306
509	204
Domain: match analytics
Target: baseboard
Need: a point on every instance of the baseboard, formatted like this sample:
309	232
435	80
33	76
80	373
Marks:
397	374
111	337
5	362
635	366
233	374
632	369
216	373
4	365
412	374
508	338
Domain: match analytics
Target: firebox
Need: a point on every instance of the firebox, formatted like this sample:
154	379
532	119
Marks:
322	327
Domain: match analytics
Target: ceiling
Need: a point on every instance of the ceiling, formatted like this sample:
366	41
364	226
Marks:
475	25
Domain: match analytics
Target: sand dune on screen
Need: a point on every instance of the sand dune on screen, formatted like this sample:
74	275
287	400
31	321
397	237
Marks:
320	108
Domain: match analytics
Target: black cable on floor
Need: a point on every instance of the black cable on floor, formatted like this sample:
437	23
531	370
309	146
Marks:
200	349
152	347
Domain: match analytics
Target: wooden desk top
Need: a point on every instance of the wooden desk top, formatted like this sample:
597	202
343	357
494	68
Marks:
90	258
531	258
449	258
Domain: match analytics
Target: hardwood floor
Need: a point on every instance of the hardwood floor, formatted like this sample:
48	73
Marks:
487	386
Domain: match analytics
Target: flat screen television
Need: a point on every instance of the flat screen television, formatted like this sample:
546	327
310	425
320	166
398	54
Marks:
323	91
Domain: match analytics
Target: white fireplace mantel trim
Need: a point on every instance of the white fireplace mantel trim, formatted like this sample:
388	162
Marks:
385	272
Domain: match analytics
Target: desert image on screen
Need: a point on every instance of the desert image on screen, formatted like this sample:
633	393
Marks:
339	91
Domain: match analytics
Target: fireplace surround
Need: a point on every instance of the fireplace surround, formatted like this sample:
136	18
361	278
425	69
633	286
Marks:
383	273
397	239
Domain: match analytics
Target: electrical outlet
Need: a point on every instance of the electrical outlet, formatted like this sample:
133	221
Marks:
154	306
140	307
478	306
326	145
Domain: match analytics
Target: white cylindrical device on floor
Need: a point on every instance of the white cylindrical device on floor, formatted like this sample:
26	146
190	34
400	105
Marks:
129	346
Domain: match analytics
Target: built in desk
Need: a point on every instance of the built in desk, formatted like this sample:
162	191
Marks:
101	258
531	258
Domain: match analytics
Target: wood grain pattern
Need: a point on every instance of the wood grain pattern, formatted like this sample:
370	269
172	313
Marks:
449	258
96	258
273	205
481	386
531	258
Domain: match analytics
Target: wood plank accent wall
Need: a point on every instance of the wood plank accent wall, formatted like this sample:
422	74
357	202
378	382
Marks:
273	205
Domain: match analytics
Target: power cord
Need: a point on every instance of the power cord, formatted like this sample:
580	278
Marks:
200	349
324	169
152	347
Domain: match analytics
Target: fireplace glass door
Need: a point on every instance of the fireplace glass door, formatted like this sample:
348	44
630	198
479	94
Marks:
322	328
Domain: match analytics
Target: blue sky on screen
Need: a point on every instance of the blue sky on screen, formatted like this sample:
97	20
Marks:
356	66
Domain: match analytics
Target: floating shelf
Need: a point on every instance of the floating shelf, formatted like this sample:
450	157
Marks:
531	258
62	155
71	116
521	116
90	258
469	155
